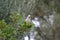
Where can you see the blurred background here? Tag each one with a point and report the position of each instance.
(44, 17)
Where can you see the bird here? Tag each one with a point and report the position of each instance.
(27, 22)
(28, 19)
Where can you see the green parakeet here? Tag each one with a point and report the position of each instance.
(28, 23)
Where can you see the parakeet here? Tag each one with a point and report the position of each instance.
(27, 23)
(28, 20)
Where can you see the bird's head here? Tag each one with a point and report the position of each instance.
(29, 16)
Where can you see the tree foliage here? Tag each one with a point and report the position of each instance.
(14, 12)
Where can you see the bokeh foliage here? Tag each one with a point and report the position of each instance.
(14, 12)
